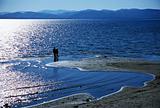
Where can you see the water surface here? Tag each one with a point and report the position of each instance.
(26, 47)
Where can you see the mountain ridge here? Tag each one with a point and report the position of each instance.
(123, 14)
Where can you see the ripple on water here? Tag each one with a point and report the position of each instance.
(29, 82)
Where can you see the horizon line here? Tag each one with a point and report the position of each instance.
(79, 10)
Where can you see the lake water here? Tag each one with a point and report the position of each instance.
(26, 47)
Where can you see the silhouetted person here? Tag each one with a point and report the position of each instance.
(6, 106)
(55, 52)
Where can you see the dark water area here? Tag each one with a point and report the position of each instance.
(75, 37)
(26, 47)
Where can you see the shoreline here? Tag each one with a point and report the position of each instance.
(82, 98)
(129, 97)
(124, 87)
(123, 97)
(73, 99)
(55, 103)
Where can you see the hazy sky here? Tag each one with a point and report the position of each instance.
(36, 5)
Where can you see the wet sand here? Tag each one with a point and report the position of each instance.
(68, 101)
(145, 97)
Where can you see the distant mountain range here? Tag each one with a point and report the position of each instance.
(122, 14)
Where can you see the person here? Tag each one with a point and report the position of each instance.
(55, 52)
(6, 106)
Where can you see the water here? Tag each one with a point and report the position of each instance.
(120, 38)
(26, 47)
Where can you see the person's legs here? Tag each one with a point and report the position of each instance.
(54, 58)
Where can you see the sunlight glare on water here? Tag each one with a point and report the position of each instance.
(26, 47)
(12, 84)
(12, 37)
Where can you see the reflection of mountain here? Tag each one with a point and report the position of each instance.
(86, 14)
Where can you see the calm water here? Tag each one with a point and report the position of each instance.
(26, 47)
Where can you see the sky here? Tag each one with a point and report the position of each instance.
(37, 5)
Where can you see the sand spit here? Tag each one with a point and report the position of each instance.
(109, 64)
(145, 97)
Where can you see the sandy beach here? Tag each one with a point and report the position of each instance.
(145, 97)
